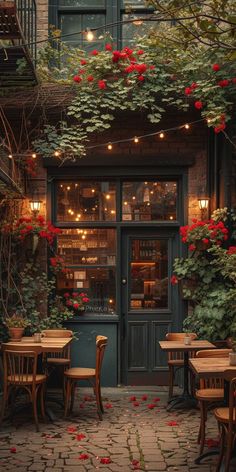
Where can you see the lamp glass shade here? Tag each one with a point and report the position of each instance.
(35, 205)
(203, 203)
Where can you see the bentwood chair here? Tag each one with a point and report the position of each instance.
(93, 375)
(62, 359)
(176, 359)
(20, 373)
(210, 390)
(226, 418)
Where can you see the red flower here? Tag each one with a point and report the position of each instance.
(75, 294)
(90, 78)
(192, 247)
(132, 399)
(102, 84)
(77, 79)
(136, 404)
(13, 450)
(83, 457)
(94, 52)
(216, 67)
(157, 399)
(151, 67)
(205, 241)
(198, 105)
(71, 429)
(231, 250)
(105, 460)
(140, 52)
(140, 68)
(194, 86)
(173, 280)
(151, 406)
(141, 78)
(116, 56)
(76, 306)
(80, 436)
(108, 406)
(144, 398)
(83, 62)
(219, 128)
(188, 91)
(136, 464)
(223, 83)
(108, 47)
(66, 295)
(85, 299)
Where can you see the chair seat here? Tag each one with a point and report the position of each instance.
(58, 360)
(176, 362)
(210, 394)
(82, 372)
(222, 414)
(26, 379)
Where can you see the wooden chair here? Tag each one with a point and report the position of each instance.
(210, 391)
(20, 372)
(91, 374)
(226, 418)
(176, 359)
(58, 359)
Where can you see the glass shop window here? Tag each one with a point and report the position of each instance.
(90, 257)
(86, 201)
(149, 201)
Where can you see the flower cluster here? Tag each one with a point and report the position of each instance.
(127, 62)
(76, 301)
(24, 226)
(57, 264)
(207, 232)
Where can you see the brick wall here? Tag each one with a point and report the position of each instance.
(42, 19)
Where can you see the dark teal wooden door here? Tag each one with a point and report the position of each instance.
(149, 303)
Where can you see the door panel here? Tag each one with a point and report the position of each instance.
(147, 303)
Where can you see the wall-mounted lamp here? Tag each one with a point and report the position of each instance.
(35, 206)
(203, 203)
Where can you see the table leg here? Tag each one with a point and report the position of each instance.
(185, 400)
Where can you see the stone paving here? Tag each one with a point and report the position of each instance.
(137, 433)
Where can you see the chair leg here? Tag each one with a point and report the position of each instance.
(34, 402)
(4, 401)
(171, 381)
(203, 411)
(222, 445)
(99, 410)
(72, 396)
(229, 447)
(100, 398)
(42, 400)
(67, 397)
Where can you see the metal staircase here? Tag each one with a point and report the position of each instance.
(17, 44)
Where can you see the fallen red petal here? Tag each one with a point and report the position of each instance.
(13, 450)
(144, 398)
(71, 429)
(132, 399)
(157, 399)
(172, 423)
(83, 456)
(136, 404)
(80, 436)
(108, 405)
(151, 406)
(105, 460)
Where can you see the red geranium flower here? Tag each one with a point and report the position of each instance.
(90, 78)
(188, 91)
(140, 52)
(144, 398)
(108, 47)
(216, 67)
(83, 62)
(192, 247)
(151, 406)
(136, 404)
(223, 83)
(77, 79)
(102, 84)
(174, 280)
(231, 250)
(141, 78)
(132, 399)
(95, 52)
(157, 399)
(198, 104)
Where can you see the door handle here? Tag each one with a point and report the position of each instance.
(124, 281)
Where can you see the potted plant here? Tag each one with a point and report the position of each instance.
(16, 325)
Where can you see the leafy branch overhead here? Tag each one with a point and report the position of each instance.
(165, 68)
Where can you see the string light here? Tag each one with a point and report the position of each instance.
(34, 155)
(56, 153)
(109, 146)
(89, 35)
(136, 140)
(161, 135)
(10, 156)
(186, 126)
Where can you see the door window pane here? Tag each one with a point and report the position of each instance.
(76, 23)
(149, 201)
(86, 201)
(149, 274)
(88, 246)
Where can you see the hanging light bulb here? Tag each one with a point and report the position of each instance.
(162, 135)
(89, 35)
(34, 155)
(109, 146)
(56, 153)
(10, 156)
(186, 126)
(136, 140)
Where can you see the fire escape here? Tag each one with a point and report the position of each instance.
(17, 44)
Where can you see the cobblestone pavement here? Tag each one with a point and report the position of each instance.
(137, 433)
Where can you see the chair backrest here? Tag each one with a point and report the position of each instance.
(101, 343)
(57, 333)
(213, 382)
(20, 366)
(230, 376)
(179, 337)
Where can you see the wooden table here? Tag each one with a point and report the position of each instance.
(185, 400)
(211, 367)
(46, 344)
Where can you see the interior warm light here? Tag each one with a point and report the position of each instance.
(10, 156)
(56, 153)
(161, 135)
(171, 217)
(68, 188)
(136, 140)
(109, 146)
(93, 190)
(187, 126)
(83, 236)
(133, 198)
(108, 196)
(89, 35)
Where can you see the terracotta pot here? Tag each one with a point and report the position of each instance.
(16, 334)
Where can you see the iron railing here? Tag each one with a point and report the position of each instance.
(26, 12)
